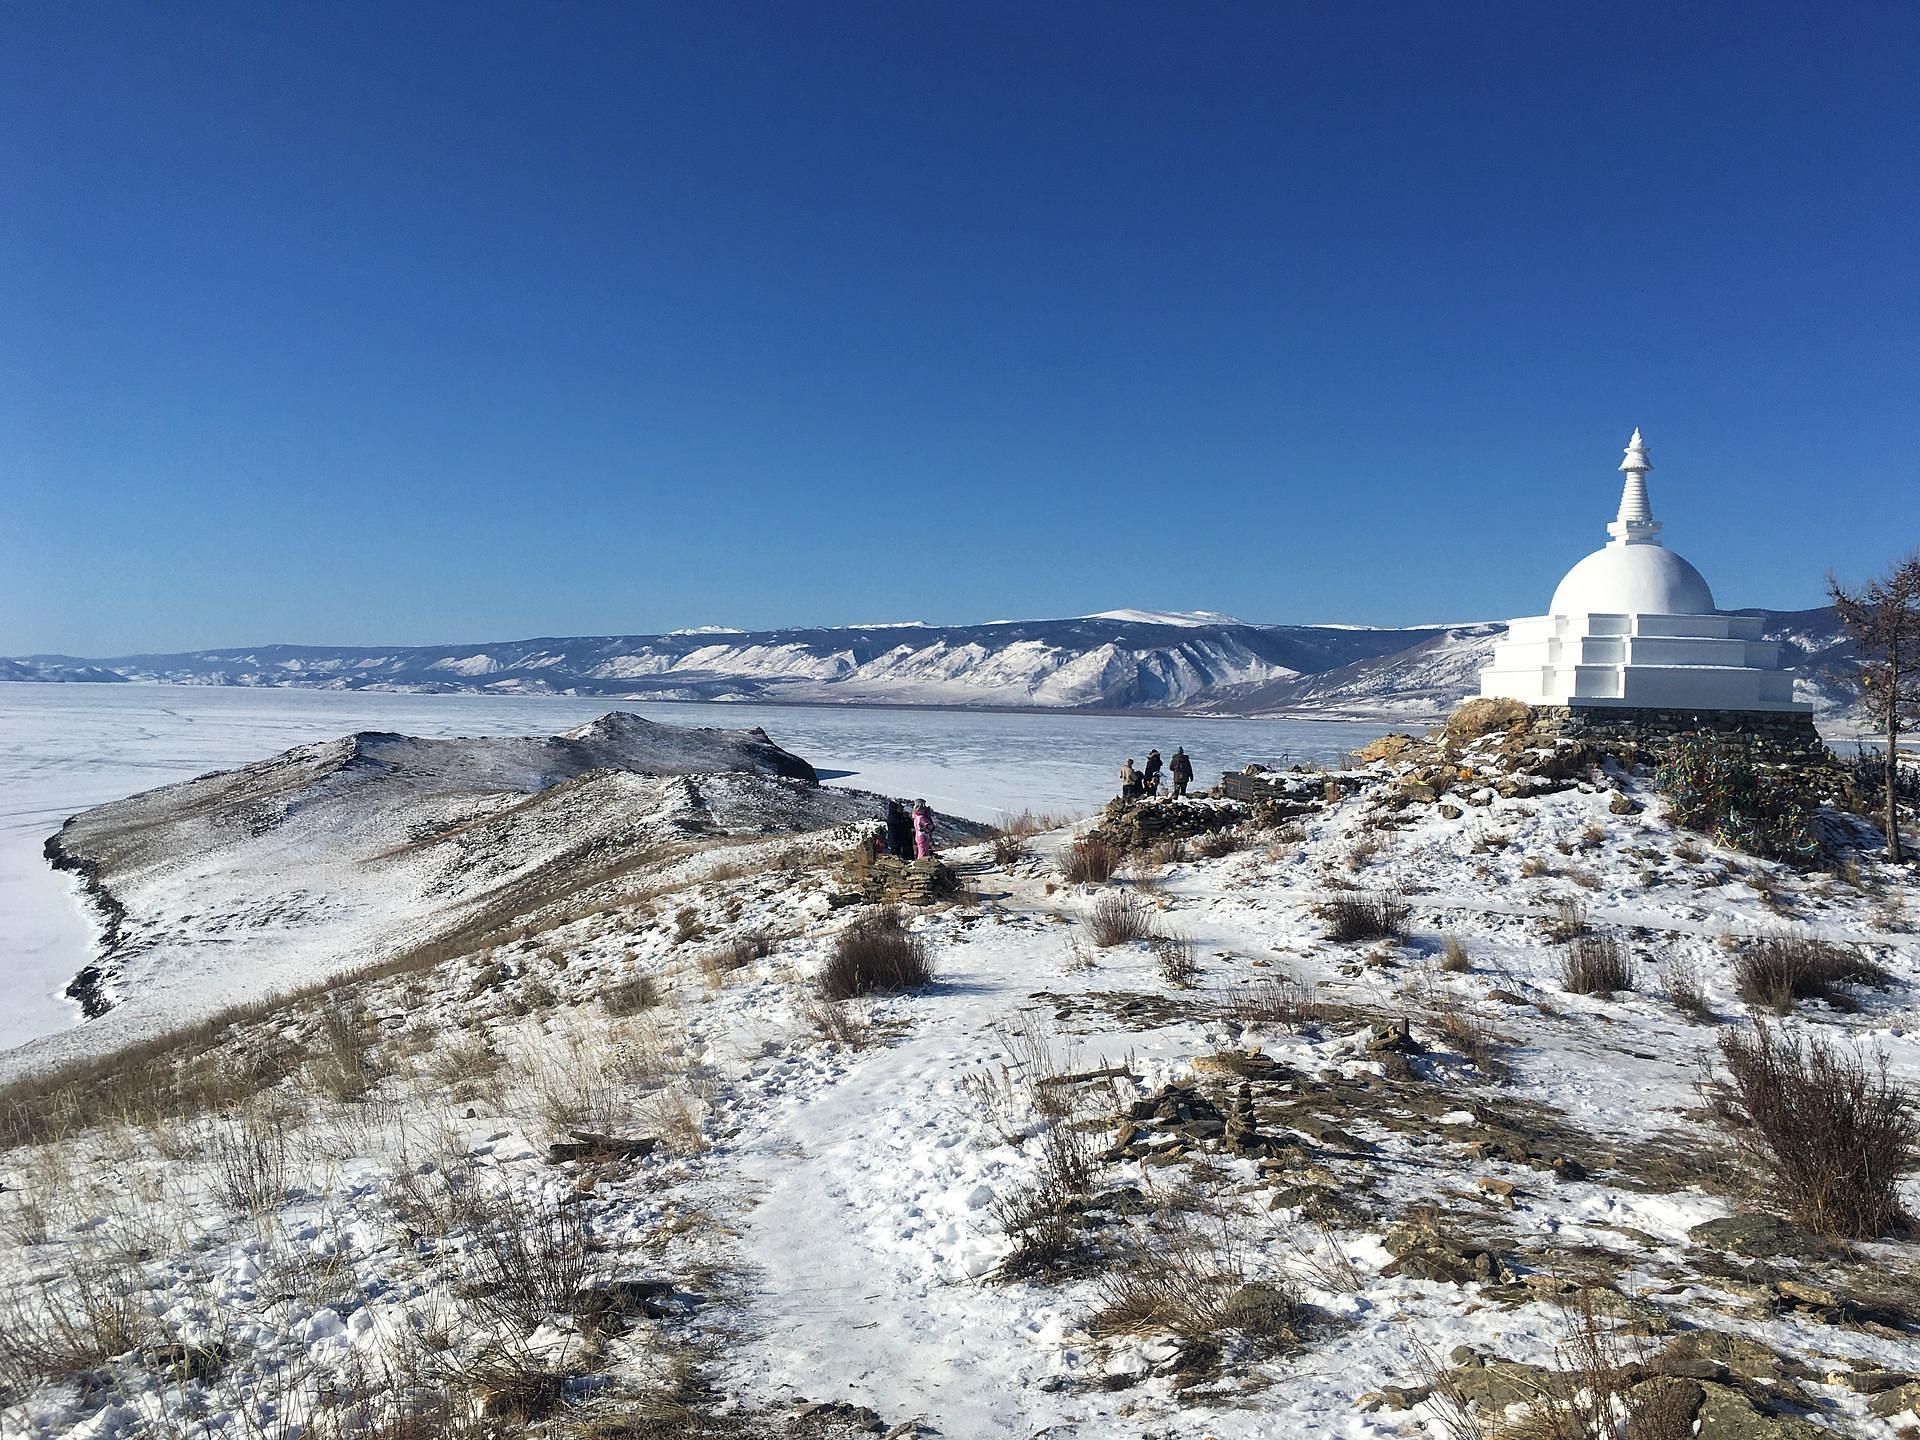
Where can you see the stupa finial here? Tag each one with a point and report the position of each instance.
(1635, 525)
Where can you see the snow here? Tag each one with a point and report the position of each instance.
(833, 1211)
(1194, 618)
(66, 748)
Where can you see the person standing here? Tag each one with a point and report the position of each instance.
(1150, 777)
(899, 831)
(1129, 780)
(1181, 769)
(922, 831)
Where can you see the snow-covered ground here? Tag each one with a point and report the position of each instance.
(67, 748)
(824, 1218)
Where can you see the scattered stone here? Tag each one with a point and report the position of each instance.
(607, 1303)
(1395, 1397)
(1889, 1403)
(593, 1149)
(1763, 1237)
(1623, 804)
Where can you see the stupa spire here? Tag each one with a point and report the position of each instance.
(1635, 525)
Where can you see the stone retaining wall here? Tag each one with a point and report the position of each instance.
(1781, 735)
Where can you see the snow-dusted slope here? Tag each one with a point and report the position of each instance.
(1121, 659)
(338, 854)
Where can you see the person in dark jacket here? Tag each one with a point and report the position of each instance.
(1181, 769)
(899, 831)
(1150, 777)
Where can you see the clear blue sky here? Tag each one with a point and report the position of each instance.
(412, 322)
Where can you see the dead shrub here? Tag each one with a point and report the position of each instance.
(1833, 1133)
(1041, 1218)
(1090, 860)
(876, 955)
(1279, 1000)
(1596, 965)
(1362, 853)
(1471, 1036)
(630, 996)
(687, 925)
(1178, 960)
(1009, 849)
(836, 1022)
(1171, 850)
(525, 1256)
(249, 1159)
(1453, 955)
(1533, 867)
(1361, 915)
(1118, 919)
(1777, 970)
(1197, 1292)
(345, 1067)
(76, 1323)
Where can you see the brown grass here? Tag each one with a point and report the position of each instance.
(1362, 916)
(1777, 971)
(1596, 965)
(1118, 919)
(1090, 861)
(876, 955)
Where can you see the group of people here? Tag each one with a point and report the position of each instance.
(1146, 781)
(907, 835)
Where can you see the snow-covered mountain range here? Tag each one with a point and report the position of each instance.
(1122, 659)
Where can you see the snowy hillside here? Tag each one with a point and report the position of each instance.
(1313, 1121)
(225, 888)
(1122, 659)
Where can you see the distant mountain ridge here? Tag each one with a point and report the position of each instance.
(1117, 661)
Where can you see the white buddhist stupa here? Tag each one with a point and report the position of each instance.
(1632, 627)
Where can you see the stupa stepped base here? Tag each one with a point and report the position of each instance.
(1785, 734)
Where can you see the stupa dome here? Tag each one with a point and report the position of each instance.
(1632, 580)
(1633, 626)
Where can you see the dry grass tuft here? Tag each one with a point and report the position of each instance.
(1118, 919)
(1090, 860)
(876, 955)
(1775, 972)
(1360, 916)
(1596, 965)
(630, 996)
(1453, 955)
(1178, 959)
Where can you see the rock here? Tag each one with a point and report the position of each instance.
(1259, 1309)
(1492, 1388)
(1726, 1414)
(1507, 997)
(1242, 1129)
(1449, 812)
(1762, 1237)
(1394, 1397)
(595, 1149)
(1623, 804)
(1748, 1359)
(1565, 1167)
(1889, 1403)
(1465, 1355)
(1873, 1382)
(1247, 1065)
(615, 1300)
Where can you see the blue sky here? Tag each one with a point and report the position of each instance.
(408, 323)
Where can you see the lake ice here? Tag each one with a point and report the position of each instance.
(65, 748)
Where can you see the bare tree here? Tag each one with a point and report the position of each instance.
(1883, 617)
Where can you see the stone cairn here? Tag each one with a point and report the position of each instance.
(887, 880)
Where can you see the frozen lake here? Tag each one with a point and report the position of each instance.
(64, 748)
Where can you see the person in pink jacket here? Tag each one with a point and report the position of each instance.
(922, 830)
